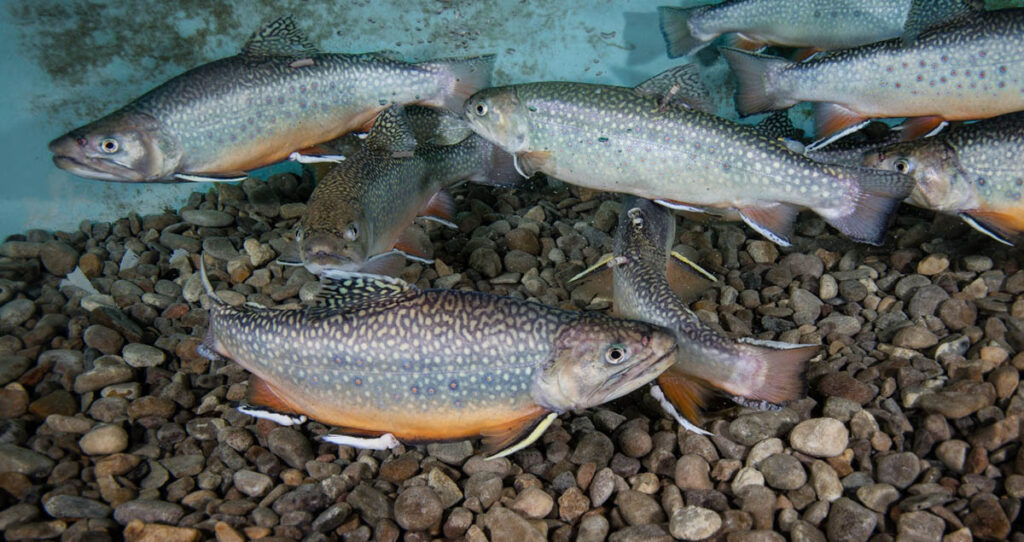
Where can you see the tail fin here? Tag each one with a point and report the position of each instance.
(206, 281)
(675, 28)
(880, 193)
(754, 73)
(497, 167)
(463, 77)
(783, 369)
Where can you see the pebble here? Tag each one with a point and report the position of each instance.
(504, 524)
(451, 453)
(533, 502)
(593, 528)
(692, 472)
(783, 471)
(16, 312)
(694, 523)
(933, 264)
(58, 258)
(72, 507)
(138, 531)
(899, 469)
(849, 522)
(878, 497)
(12, 367)
(142, 355)
(148, 511)
(819, 437)
(290, 445)
(104, 439)
(418, 509)
(638, 508)
(919, 527)
(207, 218)
(104, 339)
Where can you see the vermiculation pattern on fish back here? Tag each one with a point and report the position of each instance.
(437, 351)
(232, 102)
(617, 140)
(971, 70)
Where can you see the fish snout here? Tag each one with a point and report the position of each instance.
(68, 145)
(326, 250)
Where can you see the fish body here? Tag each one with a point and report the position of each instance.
(616, 139)
(377, 355)
(363, 206)
(756, 371)
(236, 114)
(974, 170)
(969, 70)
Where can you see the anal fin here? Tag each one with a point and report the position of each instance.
(741, 41)
(262, 393)
(516, 434)
(441, 208)
(773, 221)
(917, 127)
(831, 119)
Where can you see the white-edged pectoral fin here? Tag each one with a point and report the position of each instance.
(279, 418)
(386, 441)
(671, 410)
(208, 179)
(529, 439)
(315, 158)
(609, 260)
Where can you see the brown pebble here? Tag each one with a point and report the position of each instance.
(137, 531)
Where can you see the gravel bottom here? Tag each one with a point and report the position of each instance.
(111, 426)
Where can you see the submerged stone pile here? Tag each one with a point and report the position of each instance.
(113, 427)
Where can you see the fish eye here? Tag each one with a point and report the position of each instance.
(481, 109)
(902, 165)
(109, 145)
(636, 217)
(616, 353)
(299, 234)
(352, 232)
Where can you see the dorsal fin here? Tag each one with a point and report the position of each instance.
(277, 38)
(345, 289)
(392, 133)
(680, 85)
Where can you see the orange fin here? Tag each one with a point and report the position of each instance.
(513, 433)
(783, 369)
(832, 119)
(687, 279)
(1003, 226)
(440, 207)
(686, 393)
(916, 127)
(774, 222)
(263, 394)
(415, 244)
(528, 163)
(804, 53)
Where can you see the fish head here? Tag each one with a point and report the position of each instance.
(932, 165)
(499, 116)
(341, 243)
(126, 146)
(645, 228)
(597, 358)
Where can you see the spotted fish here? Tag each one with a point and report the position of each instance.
(618, 139)
(279, 96)
(974, 170)
(378, 356)
(972, 69)
(821, 24)
(363, 207)
(644, 271)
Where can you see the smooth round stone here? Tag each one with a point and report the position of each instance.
(253, 484)
(534, 503)
(694, 523)
(69, 506)
(103, 440)
(142, 355)
(820, 437)
(418, 508)
(14, 313)
(58, 257)
(207, 217)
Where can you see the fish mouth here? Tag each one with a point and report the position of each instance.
(634, 377)
(96, 168)
(323, 262)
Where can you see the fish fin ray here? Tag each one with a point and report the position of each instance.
(680, 206)
(754, 92)
(772, 221)
(686, 393)
(512, 436)
(280, 37)
(832, 119)
(442, 207)
(602, 264)
(262, 393)
(1001, 226)
(670, 408)
(687, 279)
(675, 28)
(497, 167)
(465, 76)
(679, 85)
(782, 370)
(347, 289)
(879, 194)
(385, 441)
(390, 264)
(805, 53)
(279, 418)
(741, 41)
(528, 163)
(198, 178)
(917, 127)
(391, 133)
(415, 242)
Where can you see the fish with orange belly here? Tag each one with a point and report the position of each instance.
(278, 97)
(388, 362)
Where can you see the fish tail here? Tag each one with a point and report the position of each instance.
(675, 28)
(878, 195)
(755, 73)
(462, 78)
(781, 373)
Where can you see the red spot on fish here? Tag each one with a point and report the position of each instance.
(944, 58)
(302, 88)
(414, 389)
(897, 85)
(1002, 69)
(967, 73)
(889, 69)
(942, 79)
(981, 75)
(920, 78)
(82, 141)
(953, 73)
(453, 385)
(923, 63)
(905, 64)
(359, 382)
(982, 53)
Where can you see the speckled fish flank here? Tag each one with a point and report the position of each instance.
(616, 139)
(822, 24)
(969, 70)
(377, 355)
(239, 113)
(974, 170)
(750, 372)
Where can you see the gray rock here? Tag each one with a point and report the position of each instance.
(825, 481)
(104, 439)
(485, 261)
(920, 527)
(803, 531)
(925, 300)
(253, 484)
(207, 217)
(783, 471)
(451, 453)
(533, 502)
(20, 249)
(592, 528)
(291, 446)
(877, 497)
(849, 522)
(694, 523)
(914, 337)
(220, 248)
(418, 508)
(148, 511)
(602, 486)
(692, 472)
(36, 531)
(518, 261)
(72, 507)
(504, 524)
(820, 437)
(485, 487)
(594, 447)
(17, 514)
(638, 508)
(641, 533)
(24, 461)
(899, 470)
(840, 323)
(311, 498)
(58, 258)
(142, 355)
(184, 465)
(12, 367)
(371, 504)
(16, 312)
(175, 241)
(104, 339)
(749, 429)
(332, 518)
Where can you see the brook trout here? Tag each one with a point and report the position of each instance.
(621, 140)
(280, 95)
(364, 205)
(972, 69)
(378, 356)
(973, 170)
(755, 373)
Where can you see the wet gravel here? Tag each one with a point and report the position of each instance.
(112, 426)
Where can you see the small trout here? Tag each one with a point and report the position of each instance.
(363, 207)
(755, 373)
(378, 356)
(972, 69)
(624, 140)
(973, 170)
(820, 24)
(280, 95)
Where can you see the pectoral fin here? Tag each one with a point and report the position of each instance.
(440, 208)
(510, 437)
(195, 178)
(774, 221)
(528, 163)
(686, 393)
(414, 243)
(597, 271)
(1001, 226)
(383, 442)
(687, 279)
(833, 121)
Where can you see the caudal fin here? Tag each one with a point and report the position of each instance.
(783, 370)
(880, 193)
(675, 28)
(463, 77)
(755, 73)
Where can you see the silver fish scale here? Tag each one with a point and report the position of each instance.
(230, 102)
(610, 138)
(989, 152)
(435, 350)
(971, 70)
